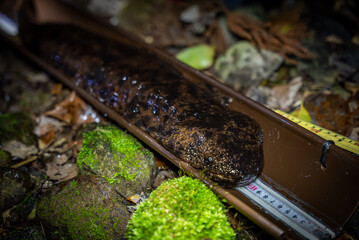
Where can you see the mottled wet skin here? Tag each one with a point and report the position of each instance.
(149, 93)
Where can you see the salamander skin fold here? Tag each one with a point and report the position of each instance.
(183, 117)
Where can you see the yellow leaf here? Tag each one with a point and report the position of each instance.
(302, 113)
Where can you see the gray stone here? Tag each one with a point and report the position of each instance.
(190, 14)
(244, 66)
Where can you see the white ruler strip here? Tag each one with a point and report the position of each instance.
(287, 212)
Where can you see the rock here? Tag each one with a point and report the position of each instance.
(17, 126)
(14, 187)
(191, 14)
(243, 66)
(36, 102)
(33, 233)
(119, 158)
(85, 208)
(16, 134)
(21, 213)
(182, 208)
(5, 159)
(162, 176)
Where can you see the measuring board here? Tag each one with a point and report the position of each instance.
(281, 208)
(339, 140)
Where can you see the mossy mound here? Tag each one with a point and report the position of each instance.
(17, 126)
(85, 208)
(119, 158)
(182, 208)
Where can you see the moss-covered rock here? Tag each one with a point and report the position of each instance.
(17, 126)
(5, 158)
(119, 158)
(182, 208)
(16, 134)
(14, 187)
(21, 213)
(28, 233)
(85, 208)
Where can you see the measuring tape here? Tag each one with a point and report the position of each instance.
(290, 214)
(339, 140)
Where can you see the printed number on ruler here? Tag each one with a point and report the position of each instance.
(284, 210)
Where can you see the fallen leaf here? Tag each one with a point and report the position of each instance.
(134, 198)
(59, 169)
(74, 110)
(39, 77)
(199, 57)
(283, 96)
(19, 149)
(330, 111)
(45, 124)
(57, 89)
(46, 139)
(64, 142)
(63, 172)
(302, 113)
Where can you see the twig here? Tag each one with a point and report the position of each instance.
(29, 160)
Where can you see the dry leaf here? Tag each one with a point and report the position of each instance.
(74, 110)
(332, 112)
(62, 172)
(134, 198)
(46, 140)
(19, 149)
(46, 124)
(58, 169)
(302, 113)
(266, 36)
(283, 96)
(57, 89)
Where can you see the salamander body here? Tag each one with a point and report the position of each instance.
(151, 94)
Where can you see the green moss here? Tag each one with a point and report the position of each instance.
(77, 215)
(110, 140)
(4, 154)
(73, 184)
(17, 126)
(182, 208)
(5, 158)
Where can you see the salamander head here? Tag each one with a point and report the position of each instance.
(231, 155)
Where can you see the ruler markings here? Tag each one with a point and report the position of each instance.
(281, 208)
(339, 140)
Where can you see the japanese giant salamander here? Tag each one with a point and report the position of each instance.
(152, 95)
